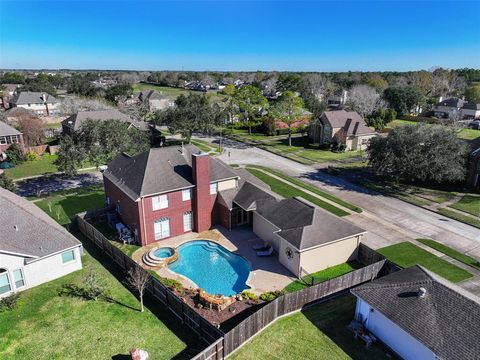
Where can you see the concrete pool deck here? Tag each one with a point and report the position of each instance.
(267, 273)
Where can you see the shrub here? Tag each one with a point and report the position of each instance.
(31, 156)
(9, 302)
(249, 295)
(15, 155)
(172, 283)
(7, 183)
(92, 289)
(271, 295)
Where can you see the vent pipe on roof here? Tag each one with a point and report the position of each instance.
(422, 292)
(15, 227)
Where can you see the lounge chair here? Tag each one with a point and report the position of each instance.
(266, 252)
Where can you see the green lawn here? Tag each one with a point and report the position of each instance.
(398, 122)
(206, 146)
(288, 191)
(460, 217)
(31, 168)
(319, 155)
(46, 325)
(311, 188)
(319, 332)
(173, 92)
(65, 205)
(406, 254)
(469, 134)
(323, 275)
(454, 254)
(469, 204)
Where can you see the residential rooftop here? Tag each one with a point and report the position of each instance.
(76, 120)
(32, 97)
(6, 130)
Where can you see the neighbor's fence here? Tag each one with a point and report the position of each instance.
(223, 344)
(206, 331)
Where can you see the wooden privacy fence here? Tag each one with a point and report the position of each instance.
(295, 301)
(206, 331)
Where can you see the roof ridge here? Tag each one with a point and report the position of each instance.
(144, 172)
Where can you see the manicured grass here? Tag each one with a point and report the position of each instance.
(460, 217)
(469, 204)
(454, 254)
(406, 254)
(398, 122)
(206, 146)
(469, 134)
(311, 188)
(31, 168)
(47, 325)
(320, 155)
(319, 332)
(288, 191)
(170, 92)
(323, 275)
(65, 206)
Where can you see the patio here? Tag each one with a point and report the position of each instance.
(267, 273)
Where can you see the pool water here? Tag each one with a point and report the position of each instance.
(212, 267)
(163, 252)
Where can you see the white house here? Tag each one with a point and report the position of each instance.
(457, 109)
(420, 315)
(34, 249)
(41, 103)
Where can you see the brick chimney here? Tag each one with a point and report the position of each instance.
(347, 124)
(202, 203)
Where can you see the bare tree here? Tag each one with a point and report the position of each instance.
(72, 105)
(32, 128)
(363, 99)
(321, 86)
(138, 279)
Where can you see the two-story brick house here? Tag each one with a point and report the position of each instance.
(167, 192)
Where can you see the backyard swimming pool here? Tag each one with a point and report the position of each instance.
(212, 267)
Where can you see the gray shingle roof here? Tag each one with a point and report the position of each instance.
(452, 102)
(76, 120)
(6, 130)
(160, 170)
(471, 106)
(37, 234)
(350, 121)
(32, 97)
(446, 320)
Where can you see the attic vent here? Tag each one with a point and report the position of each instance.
(15, 227)
(422, 292)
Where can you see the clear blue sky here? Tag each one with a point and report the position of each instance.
(239, 35)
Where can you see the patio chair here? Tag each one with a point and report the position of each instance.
(267, 252)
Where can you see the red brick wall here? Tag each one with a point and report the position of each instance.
(6, 146)
(175, 210)
(203, 202)
(223, 216)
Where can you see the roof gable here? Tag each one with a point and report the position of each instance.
(6, 130)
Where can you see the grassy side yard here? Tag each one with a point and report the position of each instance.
(460, 217)
(311, 188)
(170, 92)
(323, 275)
(469, 134)
(207, 147)
(288, 191)
(406, 254)
(50, 325)
(469, 204)
(63, 206)
(319, 332)
(454, 254)
(31, 168)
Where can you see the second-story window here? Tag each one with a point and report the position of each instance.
(186, 194)
(213, 188)
(159, 202)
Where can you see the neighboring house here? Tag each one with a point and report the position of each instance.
(9, 136)
(74, 123)
(41, 103)
(341, 126)
(154, 100)
(8, 90)
(456, 108)
(337, 100)
(420, 315)
(170, 191)
(34, 248)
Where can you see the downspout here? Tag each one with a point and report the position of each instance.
(143, 221)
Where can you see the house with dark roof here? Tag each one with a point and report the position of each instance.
(456, 108)
(74, 122)
(420, 315)
(9, 136)
(41, 103)
(341, 127)
(34, 248)
(170, 191)
(154, 100)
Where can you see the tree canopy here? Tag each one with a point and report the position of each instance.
(420, 153)
(287, 109)
(251, 102)
(404, 98)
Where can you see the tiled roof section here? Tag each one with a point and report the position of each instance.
(25, 229)
(251, 197)
(160, 170)
(445, 320)
(75, 121)
(32, 97)
(452, 102)
(350, 121)
(6, 130)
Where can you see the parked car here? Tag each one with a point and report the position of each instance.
(475, 124)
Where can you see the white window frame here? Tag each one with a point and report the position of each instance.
(164, 232)
(187, 221)
(15, 280)
(9, 283)
(160, 202)
(3, 140)
(213, 188)
(69, 261)
(187, 194)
